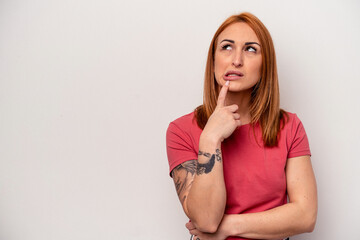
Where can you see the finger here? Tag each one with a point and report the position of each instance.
(222, 94)
(236, 116)
(194, 232)
(232, 108)
(190, 225)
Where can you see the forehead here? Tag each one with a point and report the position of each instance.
(239, 32)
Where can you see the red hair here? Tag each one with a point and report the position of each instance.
(265, 98)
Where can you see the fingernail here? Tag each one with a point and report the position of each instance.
(227, 83)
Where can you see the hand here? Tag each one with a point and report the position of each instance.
(219, 235)
(224, 120)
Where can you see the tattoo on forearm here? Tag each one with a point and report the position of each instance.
(218, 155)
(204, 153)
(183, 174)
(182, 182)
(207, 167)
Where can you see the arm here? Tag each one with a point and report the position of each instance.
(298, 216)
(200, 183)
(201, 188)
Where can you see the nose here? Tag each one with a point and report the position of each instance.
(238, 59)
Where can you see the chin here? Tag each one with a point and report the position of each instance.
(238, 87)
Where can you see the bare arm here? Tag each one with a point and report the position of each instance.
(200, 183)
(201, 189)
(297, 216)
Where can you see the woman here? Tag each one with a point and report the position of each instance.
(237, 157)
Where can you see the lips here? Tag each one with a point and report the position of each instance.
(233, 75)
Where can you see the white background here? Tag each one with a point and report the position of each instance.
(88, 88)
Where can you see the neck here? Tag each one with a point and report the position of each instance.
(242, 99)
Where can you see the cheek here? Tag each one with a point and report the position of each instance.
(217, 68)
(257, 68)
(220, 63)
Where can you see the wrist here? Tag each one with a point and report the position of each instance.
(208, 139)
(234, 226)
(228, 225)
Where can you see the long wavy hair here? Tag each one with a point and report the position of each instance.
(265, 98)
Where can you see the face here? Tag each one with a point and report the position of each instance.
(238, 57)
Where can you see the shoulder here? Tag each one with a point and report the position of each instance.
(182, 137)
(292, 126)
(291, 120)
(295, 136)
(184, 123)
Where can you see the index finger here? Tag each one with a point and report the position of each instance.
(222, 94)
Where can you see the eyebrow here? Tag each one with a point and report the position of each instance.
(232, 41)
(247, 43)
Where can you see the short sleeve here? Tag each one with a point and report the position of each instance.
(299, 144)
(179, 146)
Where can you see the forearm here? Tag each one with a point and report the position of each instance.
(281, 222)
(207, 196)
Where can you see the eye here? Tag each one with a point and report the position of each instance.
(250, 49)
(226, 47)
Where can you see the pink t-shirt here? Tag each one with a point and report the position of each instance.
(254, 175)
